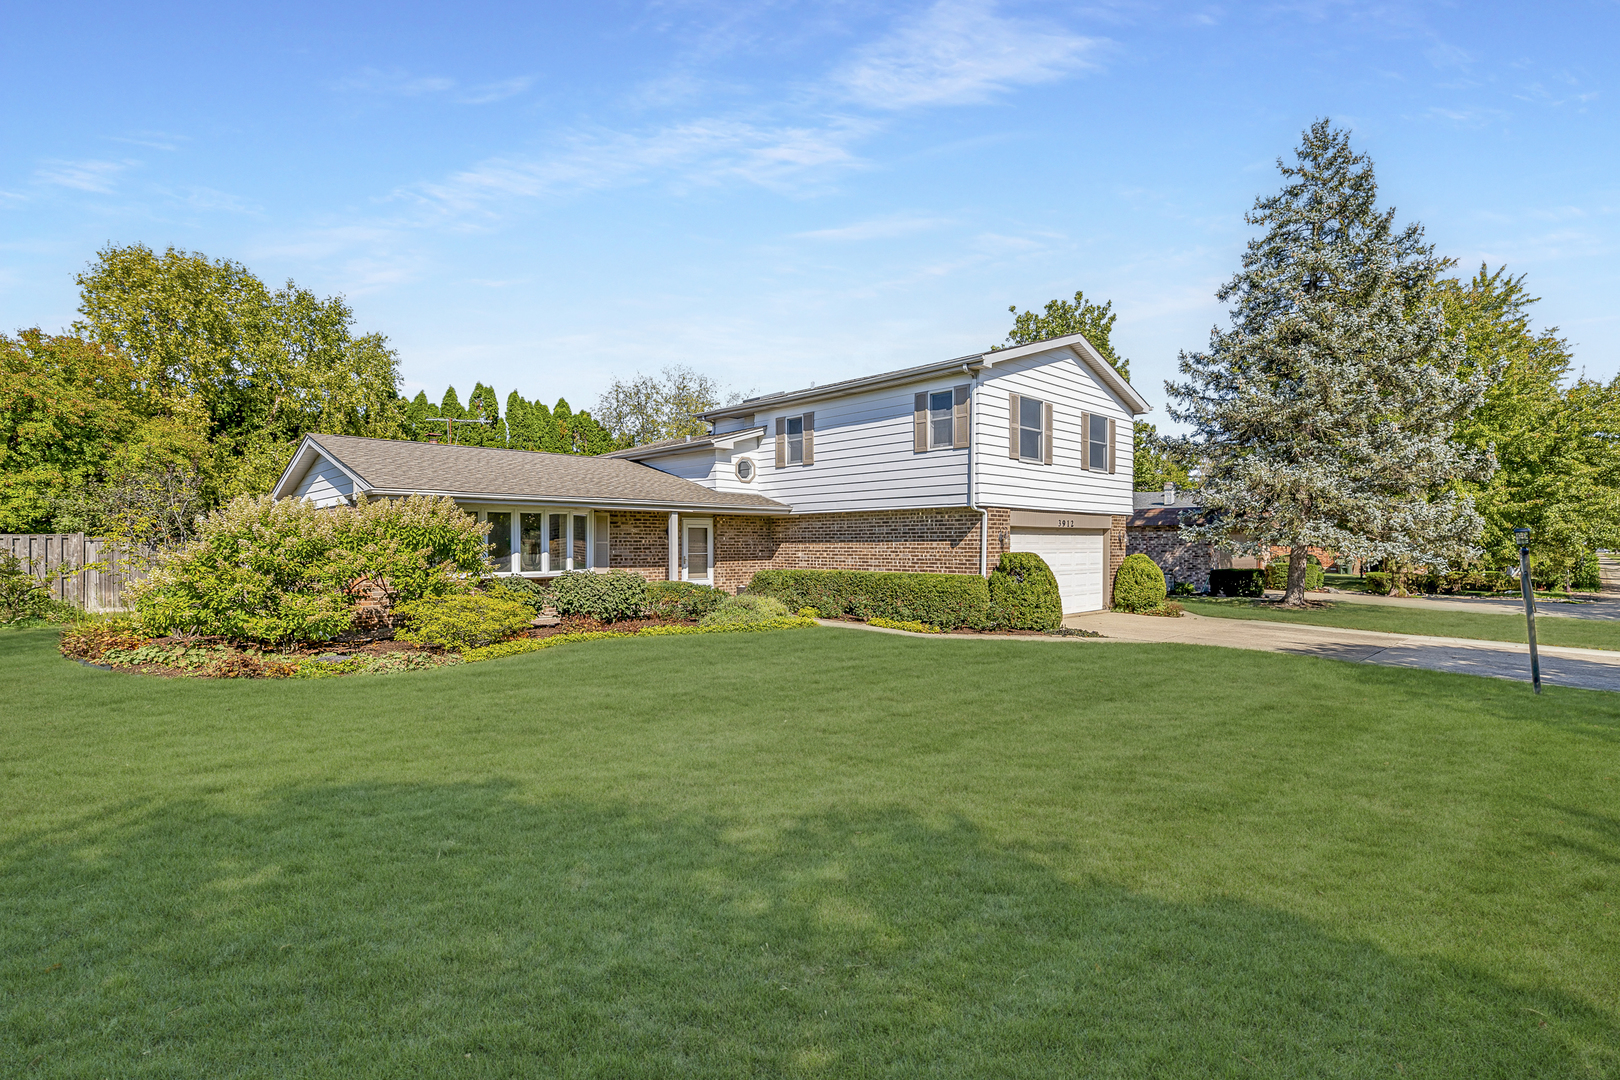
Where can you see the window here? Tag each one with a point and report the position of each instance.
(745, 469)
(534, 543)
(1098, 436)
(795, 440)
(941, 432)
(1031, 429)
(500, 540)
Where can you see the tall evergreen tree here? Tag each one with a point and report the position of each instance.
(1326, 412)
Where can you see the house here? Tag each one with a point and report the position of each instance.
(940, 467)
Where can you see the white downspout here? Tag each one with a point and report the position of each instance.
(674, 546)
(973, 473)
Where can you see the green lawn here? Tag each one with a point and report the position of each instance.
(810, 853)
(1489, 626)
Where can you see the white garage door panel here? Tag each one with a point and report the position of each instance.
(1076, 559)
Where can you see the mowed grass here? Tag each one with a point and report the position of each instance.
(812, 853)
(1488, 626)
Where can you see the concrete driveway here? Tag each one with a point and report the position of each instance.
(1590, 669)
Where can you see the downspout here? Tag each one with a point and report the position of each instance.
(973, 472)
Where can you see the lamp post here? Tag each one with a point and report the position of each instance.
(1523, 537)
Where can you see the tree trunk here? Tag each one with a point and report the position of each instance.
(1298, 559)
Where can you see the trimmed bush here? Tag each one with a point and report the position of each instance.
(1237, 582)
(262, 570)
(461, 622)
(1379, 582)
(683, 599)
(1024, 593)
(948, 600)
(1277, 574)
(535, 593)
(1138, 585)
(745, 610)
(615, 595)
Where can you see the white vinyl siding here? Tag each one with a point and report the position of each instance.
(697, 466)
(1068, 386)
(864, 459)
(325, 484)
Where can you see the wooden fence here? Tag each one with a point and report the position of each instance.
(47, 555)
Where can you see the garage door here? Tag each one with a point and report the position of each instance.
(1076, 558)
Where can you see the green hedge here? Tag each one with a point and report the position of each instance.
(1024, 594)
(1277, 574)
(683, 599)
(1237, 582)
(1138, 585)
(615, 595)
(947, 600)
(1379, 583)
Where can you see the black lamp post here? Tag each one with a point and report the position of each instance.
(1523, 537)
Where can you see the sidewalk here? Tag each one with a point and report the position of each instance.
(1590, 669)
(1607, 608)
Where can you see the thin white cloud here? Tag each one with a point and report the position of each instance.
(961, 52)
(398, 83)
(154, 140)
(706, 151)
(96, 176)
(876, 229)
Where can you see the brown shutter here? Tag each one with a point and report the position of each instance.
(1112, 449)
(781, 441)
(1085, 440)
(959, 416)
(1046, 440)
(1012, 426)
(919, 424)
(809, 438)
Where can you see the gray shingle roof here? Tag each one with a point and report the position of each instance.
(477, 472)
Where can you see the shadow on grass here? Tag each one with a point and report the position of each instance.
(405, 930)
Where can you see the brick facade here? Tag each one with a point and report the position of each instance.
(1116, 550)
(944, 540)
(638, 541)
(1180, 560)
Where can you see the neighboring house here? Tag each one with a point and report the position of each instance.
(935, 468)
(1154, 530)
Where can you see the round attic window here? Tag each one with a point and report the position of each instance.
(745, 469)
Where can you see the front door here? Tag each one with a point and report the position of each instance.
(697, 552)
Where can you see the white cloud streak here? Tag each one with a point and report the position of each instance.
(961, 52)
(94, 176)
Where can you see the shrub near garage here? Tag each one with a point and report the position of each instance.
(1138, 585)
(946, 600)
(1024, 593)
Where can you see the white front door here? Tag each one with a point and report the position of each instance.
(697, 550)
(1076, 559)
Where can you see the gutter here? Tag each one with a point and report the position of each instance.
(595, 502)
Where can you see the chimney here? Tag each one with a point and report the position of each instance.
(1170, 494)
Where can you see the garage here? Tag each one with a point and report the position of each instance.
(1075, 556)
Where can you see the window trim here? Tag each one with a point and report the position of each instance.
(1092, 443)
(688, 523)
(570, 513)
(947, 415)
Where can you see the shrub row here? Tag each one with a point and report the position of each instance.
(948, 600)
(1024, 594)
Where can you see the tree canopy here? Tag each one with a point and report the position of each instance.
(1325, 413)
(1063, 317)
(644, 409)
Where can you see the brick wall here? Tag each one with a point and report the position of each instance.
(743, 546)
(1115, 548)
(1180, 560)
(638, 541)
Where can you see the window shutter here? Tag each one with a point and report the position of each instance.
(919, 424)
(959, 416)
(1085, 440)
(1012, 426)
(1113, 451)
(603, 556)
(1046, 439)
(781, 442)
(809, 438)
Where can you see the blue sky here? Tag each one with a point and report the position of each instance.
(547, 196)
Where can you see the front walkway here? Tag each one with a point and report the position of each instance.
(1591, 669)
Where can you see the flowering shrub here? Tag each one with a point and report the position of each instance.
(263, 570)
